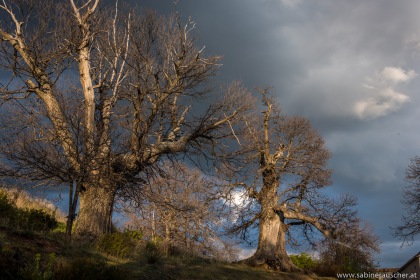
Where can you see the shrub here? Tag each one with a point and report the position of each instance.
(117, 244)
(31, 219)
(35, 220)
(37, 271)
(304, 261)
(7, 210)
(153, 251)
(21, 199)
(133, 234)
(60, 228)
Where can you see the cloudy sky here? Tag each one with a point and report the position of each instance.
(351, 67)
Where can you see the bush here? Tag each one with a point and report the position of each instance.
(35, 220)
(133, 234)
(37, 271)
(60, 228)
(31, 219)
(7, 209)
(117, 244)
(154, 251)
(21, 199)
(304, 261)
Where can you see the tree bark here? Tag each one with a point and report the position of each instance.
(73, 200)
(95, 214)
(271, 251)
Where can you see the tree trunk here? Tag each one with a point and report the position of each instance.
(95, 212)
(167, 243)
(73, 200)
(271, 250)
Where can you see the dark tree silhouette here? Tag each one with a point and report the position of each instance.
(411, 200)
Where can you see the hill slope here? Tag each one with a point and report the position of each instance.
(31, 250)
(18, 251)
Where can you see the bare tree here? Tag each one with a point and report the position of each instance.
(411, 200)
(183, 208)
(289, 159)
(139, 81)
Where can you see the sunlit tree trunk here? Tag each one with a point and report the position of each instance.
(271, 250)
(96, 204)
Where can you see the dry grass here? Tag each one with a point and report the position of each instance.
(180, 267)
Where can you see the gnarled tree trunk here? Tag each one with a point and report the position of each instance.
(95, 215)
(271, 250)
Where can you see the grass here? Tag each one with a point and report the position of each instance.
(180, 267)
(18, 251)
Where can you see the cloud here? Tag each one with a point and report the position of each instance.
(291, 3)
(397, 75)
(238, 200)
(245, 253)
(389, 76)
(384, 98)
(386, 101)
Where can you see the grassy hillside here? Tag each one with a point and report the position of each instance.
(19, 252)
(28, 251)
(195, 268)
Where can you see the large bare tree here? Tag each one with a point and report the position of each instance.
(411, 200)
(289, 159)
(116, 92)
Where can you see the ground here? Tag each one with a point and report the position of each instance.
(19, 250)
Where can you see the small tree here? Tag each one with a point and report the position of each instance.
(411, 200)
(182, 208)
(351, 251)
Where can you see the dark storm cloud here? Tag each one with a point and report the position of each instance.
(349, 66)
(245, 34)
